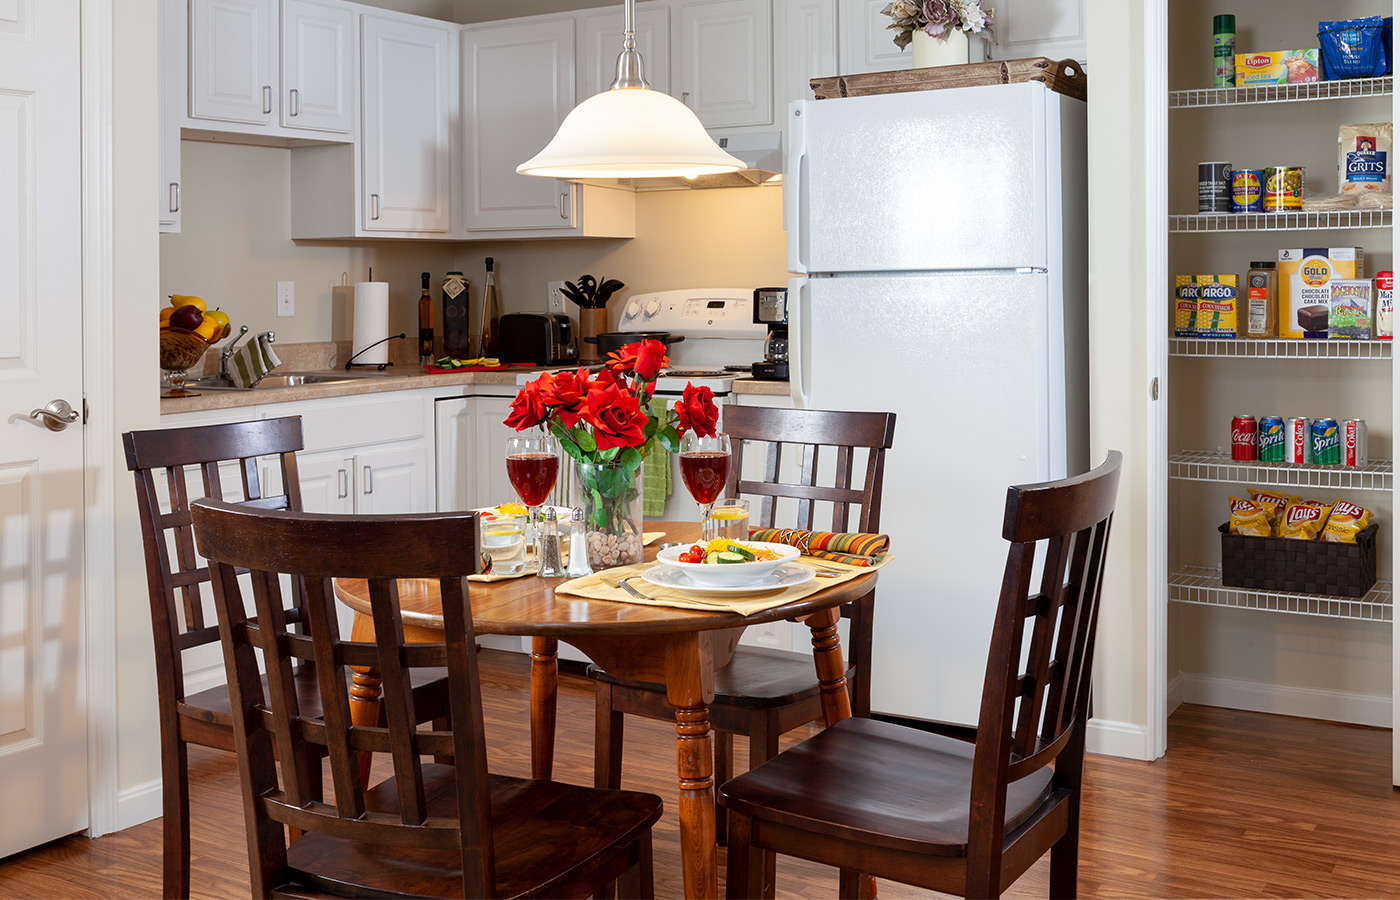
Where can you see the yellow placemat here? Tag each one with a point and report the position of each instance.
(592, 587)
(649, 536)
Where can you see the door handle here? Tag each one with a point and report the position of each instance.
(342, 484)
(374, 207)
(57, 415)
(267, 99)
(369, 479)
(174, 203)
(295, 103)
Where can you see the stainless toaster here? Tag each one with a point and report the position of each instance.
(544, 339)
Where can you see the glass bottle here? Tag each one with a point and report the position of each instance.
(578, 546)
(551, 558)
(456, 300)
(1260, 319)
(490, 311)
(425, 324)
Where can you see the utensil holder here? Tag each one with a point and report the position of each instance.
(591, 323)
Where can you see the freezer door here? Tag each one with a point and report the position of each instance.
(973, 368)
(923, 181)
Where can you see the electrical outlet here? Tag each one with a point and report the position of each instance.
(556, 297)
(286, 299)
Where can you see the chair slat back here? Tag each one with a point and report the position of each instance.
(172, 456)
(1036, 695)
(314, 549)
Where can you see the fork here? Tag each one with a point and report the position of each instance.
(640, 596)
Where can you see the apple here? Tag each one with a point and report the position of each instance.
(219, 316)
(187, 317)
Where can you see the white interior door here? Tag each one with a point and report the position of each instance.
(43, 689)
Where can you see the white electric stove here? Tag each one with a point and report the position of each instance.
(721, 339)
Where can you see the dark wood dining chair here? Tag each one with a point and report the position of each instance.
(180, 617)
(430, 830)
(762, 692)
(968, 810)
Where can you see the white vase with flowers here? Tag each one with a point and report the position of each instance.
(939, 29)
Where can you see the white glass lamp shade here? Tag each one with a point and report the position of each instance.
(630, 133)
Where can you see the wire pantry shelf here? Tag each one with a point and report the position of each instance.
(1315, 220)
(1281, 348)
(1216, 465)
(1281, 93)
(1201, 585)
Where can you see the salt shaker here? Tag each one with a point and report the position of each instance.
(550, 562)
(578, 547)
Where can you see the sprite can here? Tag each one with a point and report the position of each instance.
(1326, 440)
(1271, 439)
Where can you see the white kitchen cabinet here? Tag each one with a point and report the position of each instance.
(723, 61)
(867, 44)
(233, 62)
(471, 451)
(804, 47)
(319, 66)
(1025, 28)
(410, 105)
(326, 481)
(599, 41)
(171, 92)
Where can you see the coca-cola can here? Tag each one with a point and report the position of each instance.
(1354, 443)
(1297, 447)
(1244, 438)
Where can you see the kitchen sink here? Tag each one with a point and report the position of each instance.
(281, 380)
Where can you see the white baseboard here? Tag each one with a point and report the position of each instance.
(1111, 738)
(1352, 707)
(138, 804)
(1174, 694)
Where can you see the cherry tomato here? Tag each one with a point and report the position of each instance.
(696, 554)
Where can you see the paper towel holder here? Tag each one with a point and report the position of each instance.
(380, 366)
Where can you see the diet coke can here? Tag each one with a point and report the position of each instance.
(1244, 439)
(1354, 443)
(1297, 449)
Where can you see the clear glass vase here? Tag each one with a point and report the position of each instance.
(611, 497)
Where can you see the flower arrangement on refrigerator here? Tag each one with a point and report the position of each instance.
(937, 18)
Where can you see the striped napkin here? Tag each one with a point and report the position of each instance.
(851, 548)
(248, 364)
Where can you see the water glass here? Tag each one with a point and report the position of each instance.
(729, 519)
(503, 539)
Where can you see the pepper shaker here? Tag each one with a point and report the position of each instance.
(550, 562)
(578, 546)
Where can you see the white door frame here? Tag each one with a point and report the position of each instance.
(100, 457)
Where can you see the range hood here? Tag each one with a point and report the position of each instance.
(761, 151)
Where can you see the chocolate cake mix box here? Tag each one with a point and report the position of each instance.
(1305, 287)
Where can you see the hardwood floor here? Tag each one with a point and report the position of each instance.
(1243, 805)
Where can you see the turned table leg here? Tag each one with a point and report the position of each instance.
(544, 702)
(365, 690)
(690, 688)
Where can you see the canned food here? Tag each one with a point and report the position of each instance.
(1283, 188)
(1244, 439)
(1354, 443)
(1247, 191)
(1295, 431)
(1214, 188)
(1326, 440)
(1270, 439)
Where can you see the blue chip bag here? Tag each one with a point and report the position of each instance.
(1353, 48)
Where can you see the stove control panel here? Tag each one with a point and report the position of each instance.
(702, 313)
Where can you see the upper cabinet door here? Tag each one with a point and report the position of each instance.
(1051, 28)
(409, 103)
(170, 69)
(867, 44)
(517, 86)
(724, 61)
(318, 66)
(233, 77)
(600, 41)
(804, 47)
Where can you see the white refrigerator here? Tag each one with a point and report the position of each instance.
(940, 244)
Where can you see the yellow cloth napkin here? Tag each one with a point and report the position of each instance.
(592, 587)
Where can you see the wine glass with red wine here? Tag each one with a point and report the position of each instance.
(705, 471)
(532, 463)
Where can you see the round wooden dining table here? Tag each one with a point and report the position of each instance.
(680, 648)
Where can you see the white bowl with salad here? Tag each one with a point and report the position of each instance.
(726, 563)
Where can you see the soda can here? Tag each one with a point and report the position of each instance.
(1354, 443)
(1295, 430)
(1326, 442)
(1270, 439)
(1244, 439)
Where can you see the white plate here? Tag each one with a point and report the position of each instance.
(784, 576)
(733, 575)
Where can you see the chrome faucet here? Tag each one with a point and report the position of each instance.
(227, 351)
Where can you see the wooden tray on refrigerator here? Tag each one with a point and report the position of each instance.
(1064, 77)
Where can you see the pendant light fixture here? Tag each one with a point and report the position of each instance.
(630, 130)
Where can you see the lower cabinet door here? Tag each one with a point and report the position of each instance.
(327, 481)
(393, 480)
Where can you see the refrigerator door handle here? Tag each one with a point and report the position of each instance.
(795, 189)
(799, 380)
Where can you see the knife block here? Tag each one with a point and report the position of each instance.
(591, 323)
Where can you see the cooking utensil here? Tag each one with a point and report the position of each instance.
(613, 341)
(606, 290)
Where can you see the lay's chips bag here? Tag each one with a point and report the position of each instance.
(1248, 518)
(1303, 519)
(1345, 523)
(1274, 503)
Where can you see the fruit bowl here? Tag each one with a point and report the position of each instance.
(733, 574)
(180, 349)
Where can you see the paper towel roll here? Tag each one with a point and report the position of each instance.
(371, 322)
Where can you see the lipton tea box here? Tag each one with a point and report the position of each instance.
(1207, 305)
(1276, 67)
(1305, 287)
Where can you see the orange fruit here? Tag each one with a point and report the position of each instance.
(165, 315)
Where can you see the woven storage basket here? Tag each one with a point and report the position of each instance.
(1305, 567)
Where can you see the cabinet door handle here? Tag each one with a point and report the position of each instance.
(267, 99)
(374, 207)
(342, 483)
(369, 479)
(295, 103)
(564, 205)
(685, 97)
(174, 196)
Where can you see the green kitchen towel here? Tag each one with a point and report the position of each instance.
(656, 470)
(252, 361)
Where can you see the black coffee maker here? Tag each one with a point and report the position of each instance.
(770, 308)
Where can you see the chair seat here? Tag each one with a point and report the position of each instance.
(537, 826)
(882, 784)
(755, 678)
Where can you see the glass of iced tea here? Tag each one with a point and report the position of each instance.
(532, 464)
(730, 516)
(705, 471)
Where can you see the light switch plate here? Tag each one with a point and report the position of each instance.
(556, 297)
(286, 299)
